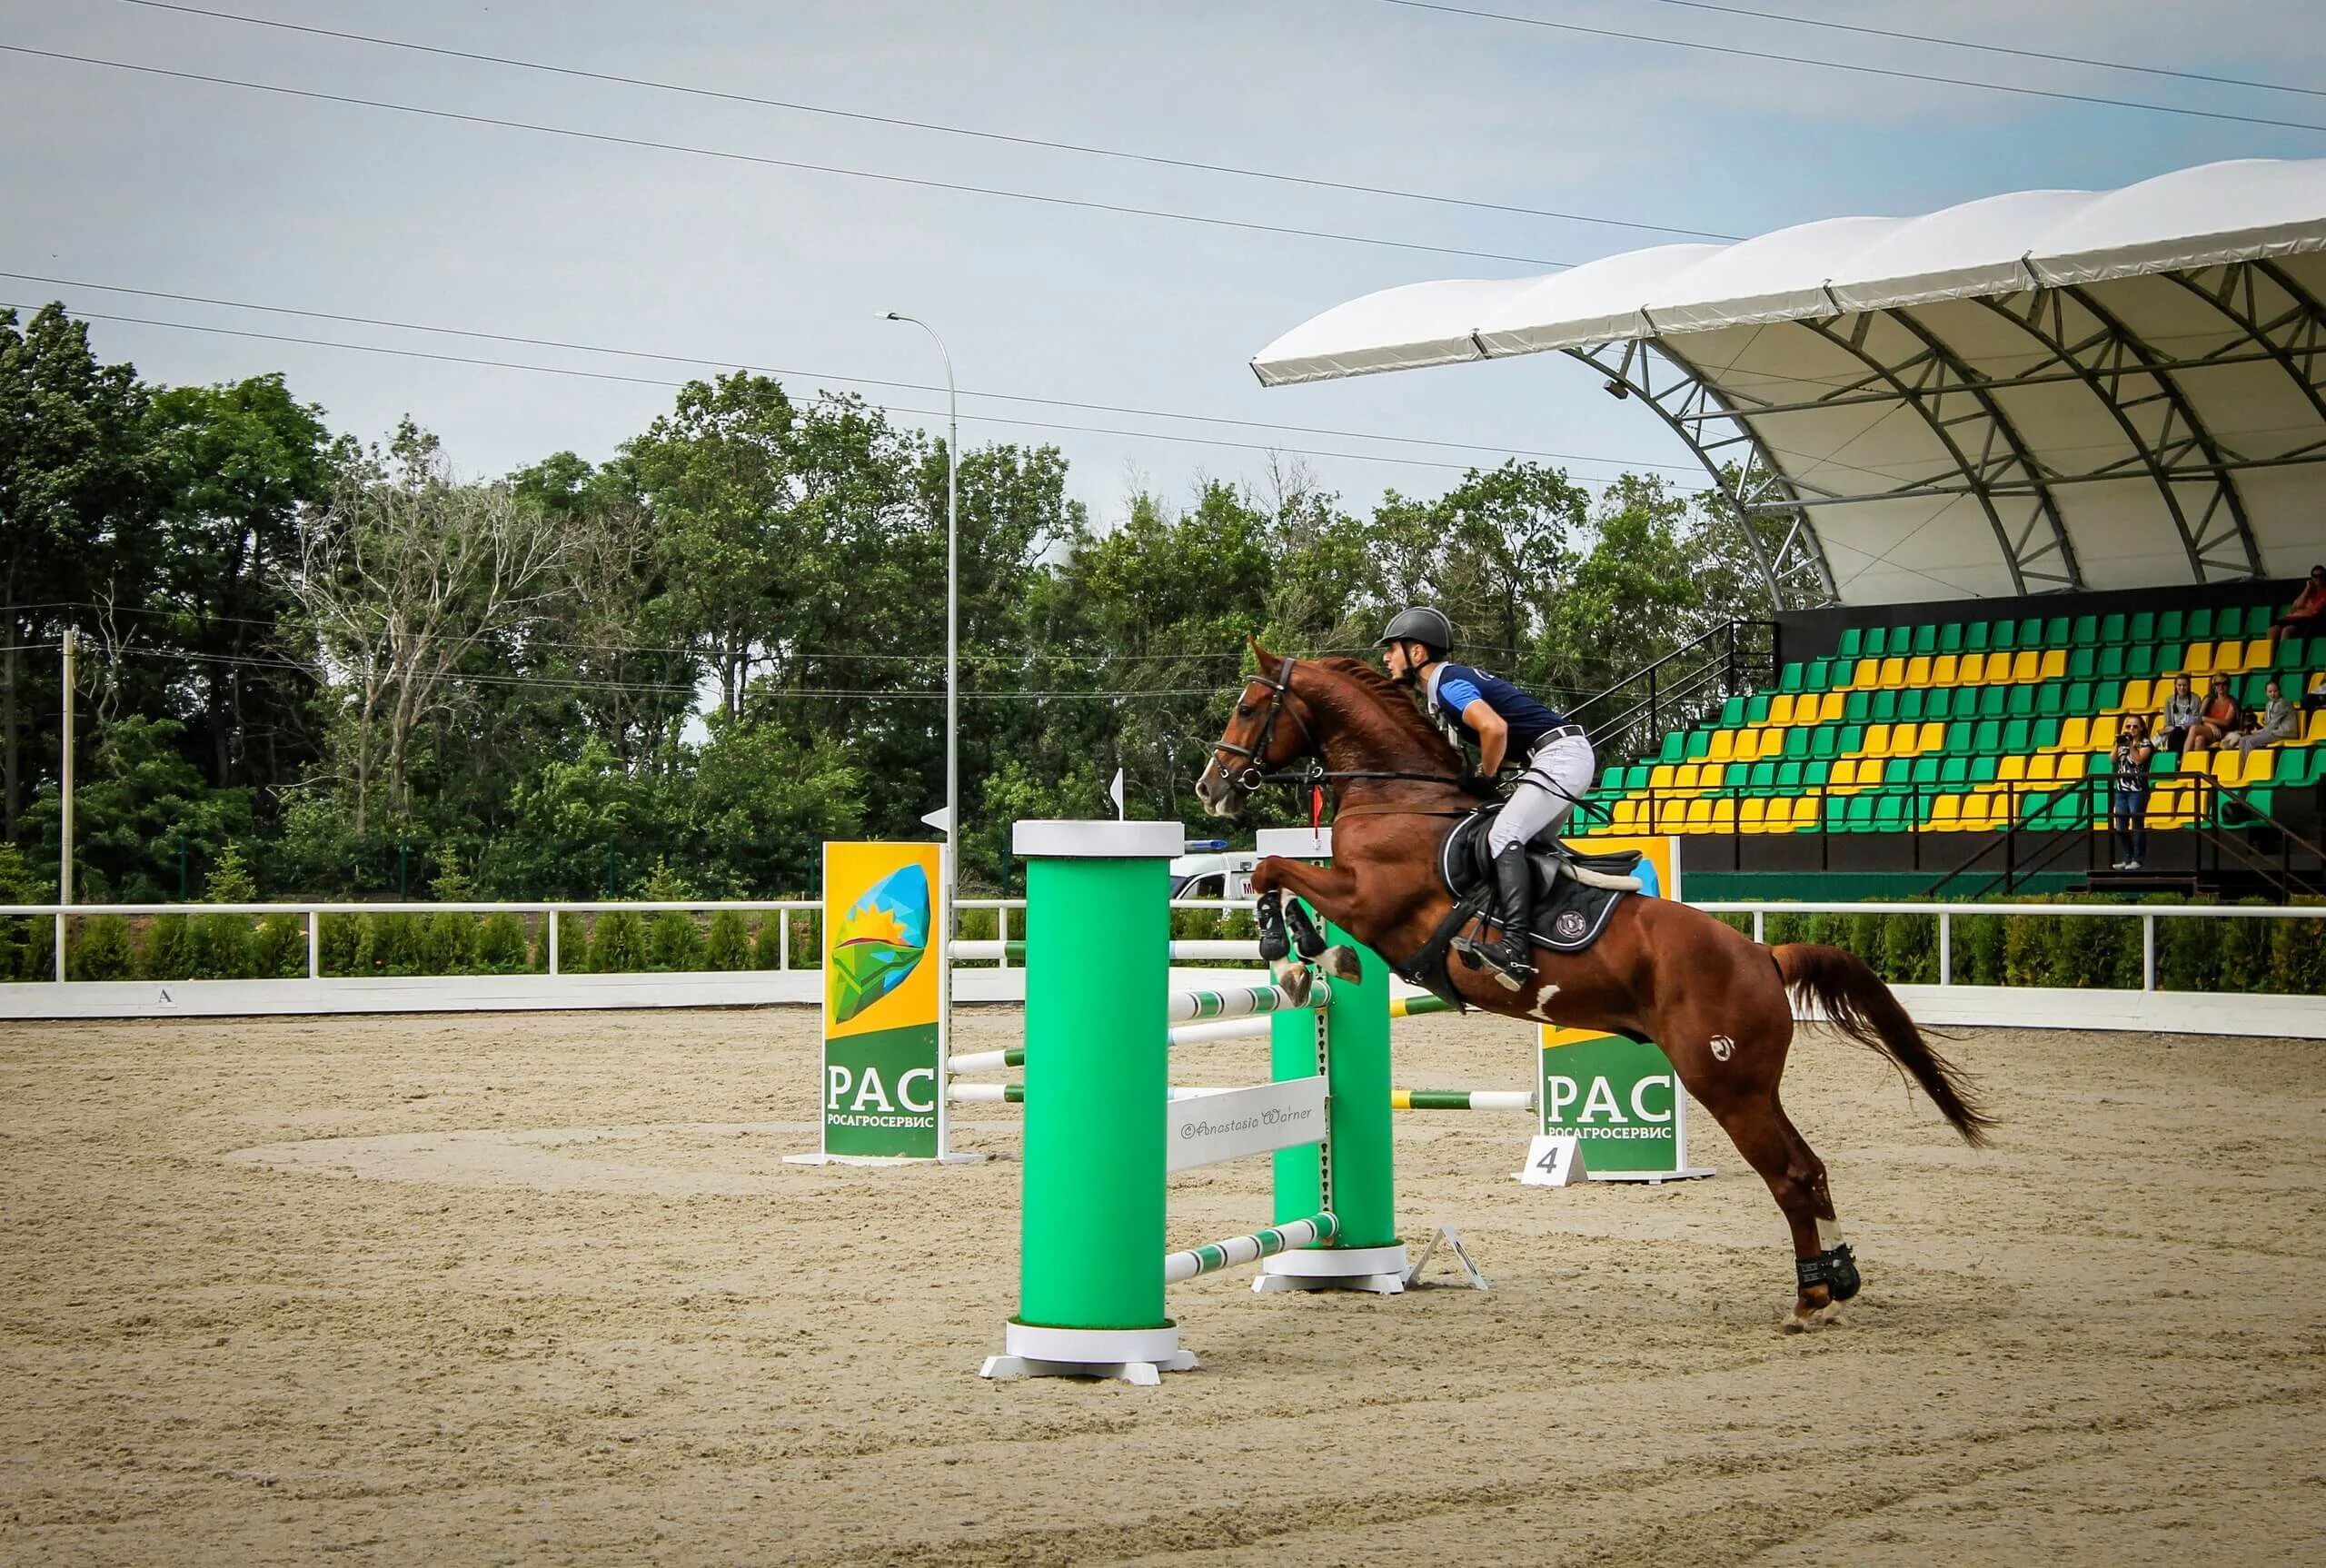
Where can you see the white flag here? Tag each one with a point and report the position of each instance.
(942, 819)
(1115, 793)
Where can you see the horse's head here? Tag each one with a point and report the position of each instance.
(1270, 727)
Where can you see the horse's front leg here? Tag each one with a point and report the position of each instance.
(1278, 880)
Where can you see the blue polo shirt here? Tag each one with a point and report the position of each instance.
(1459, 685)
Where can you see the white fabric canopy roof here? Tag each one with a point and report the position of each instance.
(2147, 363)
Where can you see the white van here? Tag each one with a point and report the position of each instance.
(1210, 870)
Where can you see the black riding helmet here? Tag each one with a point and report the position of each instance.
(1419, 624)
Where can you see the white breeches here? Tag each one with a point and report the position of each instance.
(1554, 782)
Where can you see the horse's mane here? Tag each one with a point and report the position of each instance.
(1395, 704)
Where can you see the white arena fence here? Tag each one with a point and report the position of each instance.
(987, 972)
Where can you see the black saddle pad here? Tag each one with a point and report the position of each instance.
(1570, 916)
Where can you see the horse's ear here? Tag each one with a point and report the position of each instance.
(1265, 659)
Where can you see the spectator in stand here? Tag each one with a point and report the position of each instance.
(2181, 710)
(2128, 821)
(2313, 699)
(2217, 720)
(2307, 616)
(2277, 723)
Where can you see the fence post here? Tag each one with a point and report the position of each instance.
(550, 914)
(2148, 952)
(60, 947)
(782, 939)
(315, 944)
(1759, 927)
(1001, 930)
(1945, 949)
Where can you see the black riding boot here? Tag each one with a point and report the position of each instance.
(1511, 955)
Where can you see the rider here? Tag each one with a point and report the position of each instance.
(1507, 725)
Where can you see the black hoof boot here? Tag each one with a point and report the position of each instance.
(1307, 940)
(1268, 914)
(1836, 1268)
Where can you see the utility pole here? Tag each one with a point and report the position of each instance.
(65, 815)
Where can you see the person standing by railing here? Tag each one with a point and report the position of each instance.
(2128, 818)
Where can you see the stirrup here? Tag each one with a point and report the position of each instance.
(1509, 974)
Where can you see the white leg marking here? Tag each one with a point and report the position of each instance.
(1542, 1000)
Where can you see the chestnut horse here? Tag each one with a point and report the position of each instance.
(1716, 1002)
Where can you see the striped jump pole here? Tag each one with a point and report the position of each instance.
(1461, 1099)
(1179, 1267)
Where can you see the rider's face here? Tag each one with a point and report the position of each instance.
(1398, 660)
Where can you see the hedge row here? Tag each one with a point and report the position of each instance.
(200, 946)
(2075, 951)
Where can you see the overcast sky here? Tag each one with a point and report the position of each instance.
(148, 182)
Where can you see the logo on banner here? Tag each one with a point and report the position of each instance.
(879, 941)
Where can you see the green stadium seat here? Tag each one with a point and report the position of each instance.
(1986, 736)
(1992, 700)
(1974, 637)
(1821, 743)
(2003, 634)
(1756, 712)
(2167, 627)
(2253, 694)
(1890, 811)
(1764, 776)
(1883, 641)
(2111, 663)
(1814, 776)
(1796, 743)
(1789, 678)
(2077, 698)
(2140, 662)
(2031, 634)
(2144, 627)
(1674, 741)
(1853, 739)
(1982, 769)
(1699, 742)
(2112, 628)
(1851, 645)
(2085, 632)
(1855, 706)
(1959, 736)
(1788, 775)
(2298, 764)
(1926, 639)
(1820, 676)
(1732, 714)
(1950, 638)
(2019, 702)
(2051, 698)
(2106, 694)
(1923, 770)
(2293, 654)
(1953, 770)
(2044, 735)
(2200, 627)
(2056, 631)
(1885, 705)
(1857, 814)
(2081, 662)
(1913, 704)
(2015, 733)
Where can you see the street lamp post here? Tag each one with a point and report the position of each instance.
(952, 700)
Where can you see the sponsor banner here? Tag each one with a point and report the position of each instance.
(1618, 1098)
(884, 1081)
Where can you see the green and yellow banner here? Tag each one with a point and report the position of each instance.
(884, 1074)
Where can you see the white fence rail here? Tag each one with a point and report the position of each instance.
(985, 970)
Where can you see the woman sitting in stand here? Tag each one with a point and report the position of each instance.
(2276, 722)
(2181, 710)
(2219, 719)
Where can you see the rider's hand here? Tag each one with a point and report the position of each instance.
(1482, 785)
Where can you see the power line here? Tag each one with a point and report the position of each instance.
(1982, 48)
(1734, 53)
(827, 376)
(860, 116)
(608, 138)
(663, 381)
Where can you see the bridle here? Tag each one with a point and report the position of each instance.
(1254, 774)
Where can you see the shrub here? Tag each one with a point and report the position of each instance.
(572, 944)
(617, 944)
(2243, 950)
(2298, 956)
(448, 943)
(765, 951)
(673, 944)
(100, 951)
(729, 944)
(389, 946)
(166, 954)
(342, 943)
(501, 946)
(280, 951)
(1908, 950)
(223, 948)
(1980, 940)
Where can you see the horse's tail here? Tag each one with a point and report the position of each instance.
(1855, 1001)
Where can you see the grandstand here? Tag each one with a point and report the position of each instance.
(2003, 468)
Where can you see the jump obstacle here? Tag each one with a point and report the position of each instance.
(1103, 1129)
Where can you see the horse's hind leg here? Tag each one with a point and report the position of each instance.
(1824, 1272)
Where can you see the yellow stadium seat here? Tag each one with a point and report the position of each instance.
(1877, 741)
(1781, 707)
(1870, 773)
(1943, 669)
(1893, 673)
(2024, 665)
(1671, 815)
(1624, 817)
(2010, 769)
(2316, 730)
(1754, 815)
(1972, 670)
(1662, 776)
(2201, 658)
(1946, 813)
(2054, 666)
(2075, 732)
(1710, 776)
(1723, 815)
(2257, 654)
(1829, 708)
(2196, 762)
(2038, 767)
(1918, 671)
(1723, 747)
(2228, 766)
(2138, 694)
(1699, 817)
(2262, 766)
(1686, 776)
(1844, 774)
(1933, 738)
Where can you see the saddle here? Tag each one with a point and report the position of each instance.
(1575, 892)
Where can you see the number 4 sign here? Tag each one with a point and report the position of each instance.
(1553, 1160)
